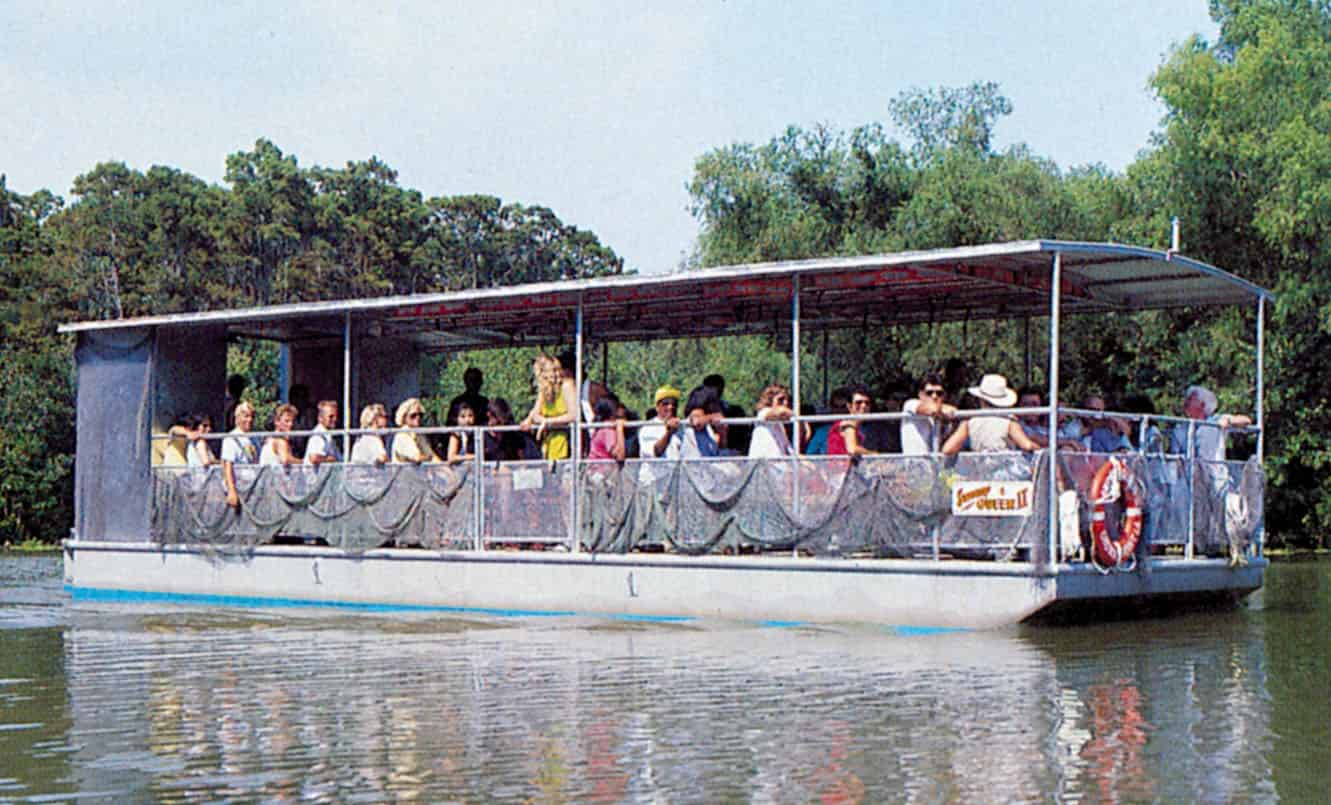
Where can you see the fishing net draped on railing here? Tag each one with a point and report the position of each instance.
(880, 506)
(349, 506)
(876, 506)
(1216, 506)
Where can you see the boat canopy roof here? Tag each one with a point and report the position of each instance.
(1003, 280)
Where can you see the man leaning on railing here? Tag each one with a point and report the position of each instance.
(1208, 439)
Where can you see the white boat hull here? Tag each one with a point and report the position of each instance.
(892, 592)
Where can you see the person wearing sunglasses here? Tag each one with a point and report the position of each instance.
(925, 413)
(410, 447)
(846, 438)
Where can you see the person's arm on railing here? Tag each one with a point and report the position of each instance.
(850, 434)
(659, 447)
(229, 479)
(1017, 435)
(620, 450)
(957, 440)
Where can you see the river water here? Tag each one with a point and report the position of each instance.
(203, 704)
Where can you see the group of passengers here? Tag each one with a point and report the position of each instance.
(930, 422)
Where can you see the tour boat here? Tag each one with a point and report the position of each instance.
(976, 540)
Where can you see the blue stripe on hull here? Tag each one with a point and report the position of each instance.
(109, 595)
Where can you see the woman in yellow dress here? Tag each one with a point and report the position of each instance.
(556, 400)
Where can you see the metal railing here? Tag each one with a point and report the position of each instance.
(480, 462)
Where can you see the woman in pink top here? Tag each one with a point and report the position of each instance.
(608, 443)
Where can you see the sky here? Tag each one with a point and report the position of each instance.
(597, 110)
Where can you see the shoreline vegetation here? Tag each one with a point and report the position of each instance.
(29, 546)
(1242, 158)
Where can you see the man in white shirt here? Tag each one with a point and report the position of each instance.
(656, 436)
(917, 430)
(323, 448)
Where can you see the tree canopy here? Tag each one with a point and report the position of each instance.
(162, 241)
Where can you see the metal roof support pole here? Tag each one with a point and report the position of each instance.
(797, 427)
(346, 386)
(1055, 292)
(1260, 410)
(575, 446)
(825, 369)
(478, 506)
(605, 364)
(1026, 332)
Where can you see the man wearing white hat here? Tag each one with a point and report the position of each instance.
(1208, 437)
(991, 433)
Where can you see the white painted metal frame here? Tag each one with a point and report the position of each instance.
(1055, 296)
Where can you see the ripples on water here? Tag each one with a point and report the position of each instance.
(178, 703)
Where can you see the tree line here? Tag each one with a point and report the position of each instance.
(1242, 157)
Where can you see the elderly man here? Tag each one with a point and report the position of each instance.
(928, 407)
(322, 447)
(1208, 438)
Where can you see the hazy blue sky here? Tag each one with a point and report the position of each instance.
(595, 109)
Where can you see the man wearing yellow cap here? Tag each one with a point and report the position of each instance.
(657, 435)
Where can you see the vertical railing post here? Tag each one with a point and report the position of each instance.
(346, 386)
(1026, 339)
(1259, 411)
(478, 453)
(1190, 467)
(796, 428)
(823, 361)
(1055, 294)
(575, 437)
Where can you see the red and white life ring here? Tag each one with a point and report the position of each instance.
(1113, 481)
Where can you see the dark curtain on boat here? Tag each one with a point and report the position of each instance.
(112, 463)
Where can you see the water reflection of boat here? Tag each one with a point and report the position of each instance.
(393, 708)
(929, 541)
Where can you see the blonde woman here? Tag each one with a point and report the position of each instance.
(369, 447)
(238, 448)
(770, 439)
(277, 449)
(553, 412)
(410, 447)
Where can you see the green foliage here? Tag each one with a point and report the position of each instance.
(804, 194)
(135, 243)
(36, 453)
(258, 362)
(945, 119)
(1243, 159)
(1245, 156)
